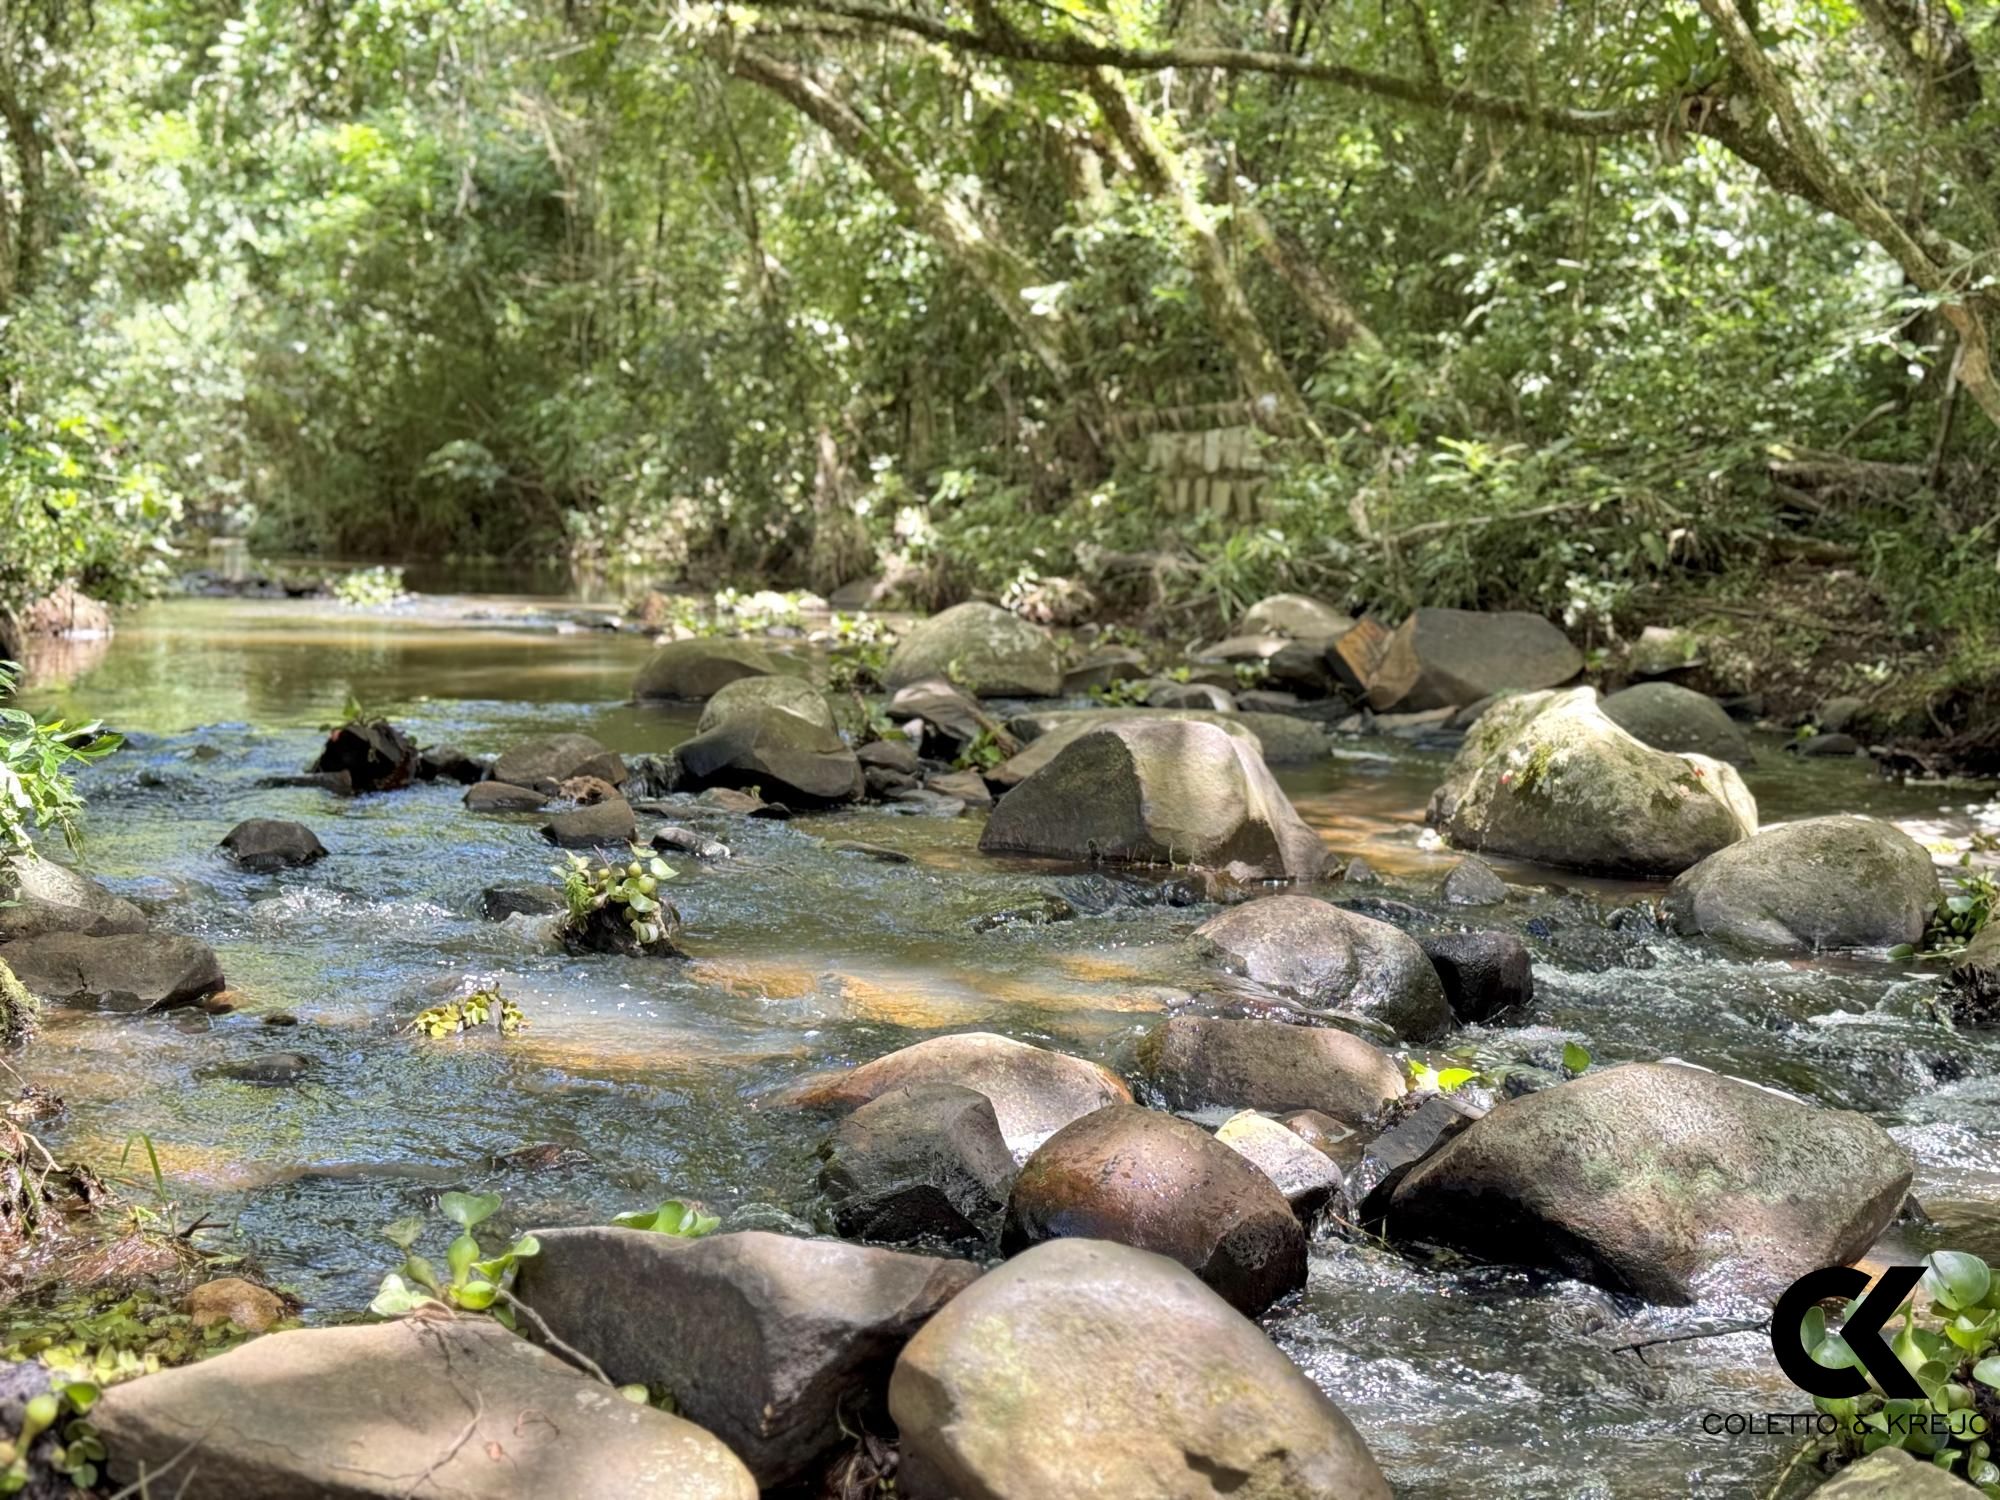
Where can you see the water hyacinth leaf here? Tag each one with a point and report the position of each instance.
(1833, 1353)
(81, 1395)
(462, 1252)
(1957, 1279)
(1452, 1078)
(404, 1232)
(395, 1298)
(477, 1295)
(468, 1210)
(1575, 1058)
(1987, 1372)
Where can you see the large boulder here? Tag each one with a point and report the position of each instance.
(1447, 658)
(1662, 1180)
(123, 971)
(1084, 1370)
(1202, 1062)
(1035, 1092)
(546, 762)
(268, 844)
(777, 1345)
(1892, 1474)
(39, 896)
(922, 1163)
(1670, 717)
(1839, 882)
(1331, 959)
(749, 697)
(383, 1411)
(66, 614)
(1161, 791)
(1297, 616)
(1284, 739)
(983, 649)
(1547, 777)
(1153, 1180)
(789, 758)
(703, 667)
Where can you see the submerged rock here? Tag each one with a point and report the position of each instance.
(1035, 1092)
(231, 1299)
(922, 1163)
(267, 1069)
(499, 902)
(1083, 1370)
(267, 844)
(774, 751)
(1670, 717)
(122, 971)
(386, 1410)
(776, 1345)
(1330, 959)
(1547, 777)
(702, 668)
(545, 763)
(1168, 791)
(1154, 1181)
(39, 896)
(1839, 882)
(1202, 1062)
(449, 763)
(1661, 1180)
(1447, 658)
(981, 648)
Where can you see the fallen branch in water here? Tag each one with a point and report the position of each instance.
(1638, 1346)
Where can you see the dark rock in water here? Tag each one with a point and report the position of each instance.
(982, 648)
(924, 803)
(1103, 667)
(725, 799)
(1747, 707)
(267, 1068)
(1588, 944)
(890, 755)
(1483, 973)
(1306, 1176)
(1388, 1158)
(499, 902)
(951, 719)
(1669, 717)
(1443, 658)
(698, 669)
(779, 1346)
(337, 782)
(122, 972)
(1266, 701)
(1973, 987)
(545, 1156)
(1039, 913)
(1826, 744)
(40, 896)
(1114, 1375)
(880, 853)
(267, 844)
(598, 826)
(968, 787)
(1660, 1179)
(649, 776)
(915, 1164)
(374, 755)
(677, 840)
(1838, 882)
(1359, 872)
(1837, 714)
(1166, 791)
(1191, 695)
(545, 763)
(503, 796)
(1472, 882)
(1203, 1062)
(1331, 959)
(880, 784)
(449, 763)
(604, 929)
(418, 1406)
(1035, 1092)
(773, 751)
(280, 1018)
(1154, 1181)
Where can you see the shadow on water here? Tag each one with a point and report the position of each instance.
(1464, 1381)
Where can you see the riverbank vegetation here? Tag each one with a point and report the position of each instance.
(1651, 313)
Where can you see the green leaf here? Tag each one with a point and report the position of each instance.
(404, 1232)
(1987, 1372)
(1957, 1279)
(1575, 1058)
(469, 1209)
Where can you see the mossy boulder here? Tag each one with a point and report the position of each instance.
(1157, 791)
(1282, 739)
(981, 648)
(749, 696)
(40, 896)
(701, 668)
(788, 758)
(1547, 777)
(17, 1007)
(1839, 882)
(1670, 717)
(1661, 1180)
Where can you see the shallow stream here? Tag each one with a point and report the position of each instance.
(1478, 1382)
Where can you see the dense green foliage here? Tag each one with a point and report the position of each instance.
(1590, 310)
(36, 758)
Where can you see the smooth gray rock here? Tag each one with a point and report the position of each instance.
(697, 669)
(1299, 616)
(119, 971)
(1472, 882)
(770, 1342)
(1205, 1062)
(39, 896)
(268, 844)
(597, 826)
(982, 649)
(750, 696)
(919, 1163)
(1306, 1176)
(545, 763)
(504, 796)
(1670, 717)
(788, 758)
(1447, 658)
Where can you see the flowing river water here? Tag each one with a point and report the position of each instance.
(1468, 1381)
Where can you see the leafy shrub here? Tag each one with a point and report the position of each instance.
(369, 588)
(36, 758)
(675, 1217)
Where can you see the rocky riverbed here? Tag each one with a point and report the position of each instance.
(903, 1016)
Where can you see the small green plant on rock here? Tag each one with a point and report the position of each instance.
(1127, 692)
(1960, 915)
(675, 1217)
(468, 1283)
(474, 1010)
(78, 1453)
(618, 908)
(982, 754)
